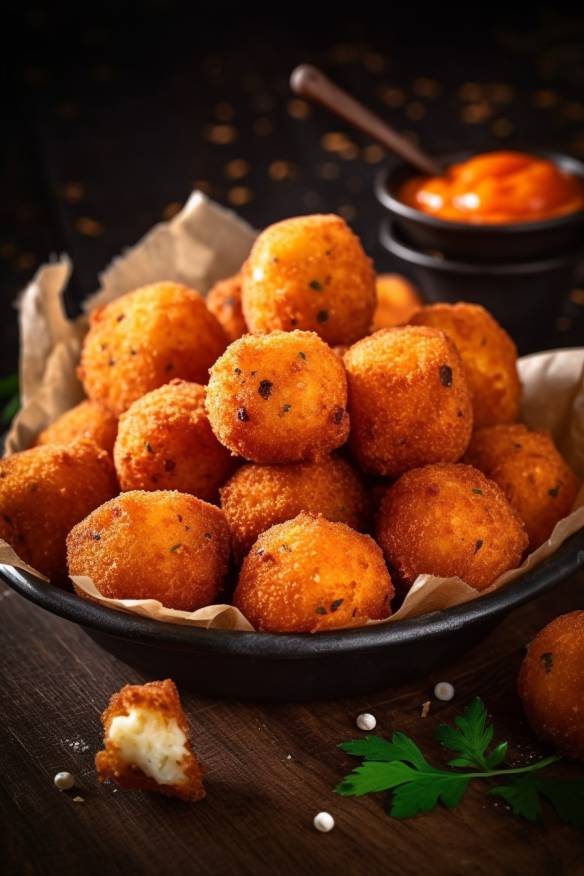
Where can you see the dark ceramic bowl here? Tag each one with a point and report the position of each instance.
(525, 297)
(512, 242)
(299, 666)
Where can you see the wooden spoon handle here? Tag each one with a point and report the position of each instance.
(308, 82)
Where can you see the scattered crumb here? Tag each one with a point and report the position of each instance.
(288, 757)
(425, 709)
(444, 691)
(79, 799)
(64, 781)
(78, 745)
(366, 721)
(323, 822)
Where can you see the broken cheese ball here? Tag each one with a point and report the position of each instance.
(147, 746)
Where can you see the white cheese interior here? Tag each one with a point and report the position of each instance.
(154, 744)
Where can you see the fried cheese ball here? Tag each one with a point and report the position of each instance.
(160, 545)
(530, 470)
(165, 442)
(259, 496)
(146, 742)
(446, 520)
(489, 356)
(47, 490)
(551, 684)
(310, 574)
(224, 302)
(310, 273)
(409, 400)
(145, 338)
(280, 397)
(88, 419)
(397, 301)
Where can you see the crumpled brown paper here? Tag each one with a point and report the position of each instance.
(202, 244)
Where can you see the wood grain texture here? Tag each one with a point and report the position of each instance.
(269, 769)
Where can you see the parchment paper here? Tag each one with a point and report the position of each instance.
(201, 245)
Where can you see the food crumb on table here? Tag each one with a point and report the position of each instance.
(425, 709)
(323, 822)
(366, 721)
(444, 691)
(64, 780)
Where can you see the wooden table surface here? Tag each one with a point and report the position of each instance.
(270, 768)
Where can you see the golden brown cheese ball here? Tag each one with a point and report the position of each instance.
(165, 442)
(160, 545)
(310, 574)
(397, 301)
(47, 490)
(551, 684)
(489, 356)
(311, 273)
(258, 496)
(280, 397)
(409, 400)
(88, 419)
(146, 742)
(448, 520)
(530, 470)
(224, 302)
(145, 338)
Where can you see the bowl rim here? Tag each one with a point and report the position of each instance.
(568, 559)
(390, 241)
(394, 205)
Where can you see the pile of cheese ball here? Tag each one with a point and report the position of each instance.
(303, 443)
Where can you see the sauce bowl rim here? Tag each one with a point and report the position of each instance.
(382, 188)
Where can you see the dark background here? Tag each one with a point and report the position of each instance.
(114, 115)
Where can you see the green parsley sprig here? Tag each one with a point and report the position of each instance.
(400, 767)
(9, 401)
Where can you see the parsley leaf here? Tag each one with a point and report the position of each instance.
(417, 788)
(424, 793)
(471, 737)
(376, 748)
(9, 394)
(371, 748)
(8, 386)
(398, 765)
(9, 410)
(524, 795)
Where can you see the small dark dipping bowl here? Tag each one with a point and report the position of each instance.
(524, 297)
(505, 242)
(300, 666)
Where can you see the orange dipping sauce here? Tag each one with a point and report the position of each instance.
(496, 187)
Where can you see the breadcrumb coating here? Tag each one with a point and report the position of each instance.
(489, 356)
(224, 302)
(551, 684)
(449, 520)
(310, 574)
(165, 442)
(44, 492)
(146, 743)
(88, 419)
(530, 470)
(153, 545)
(277, 398)
(309, 272)
(144, 339)
(409, 400)
(397, 301)
(259, 496)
